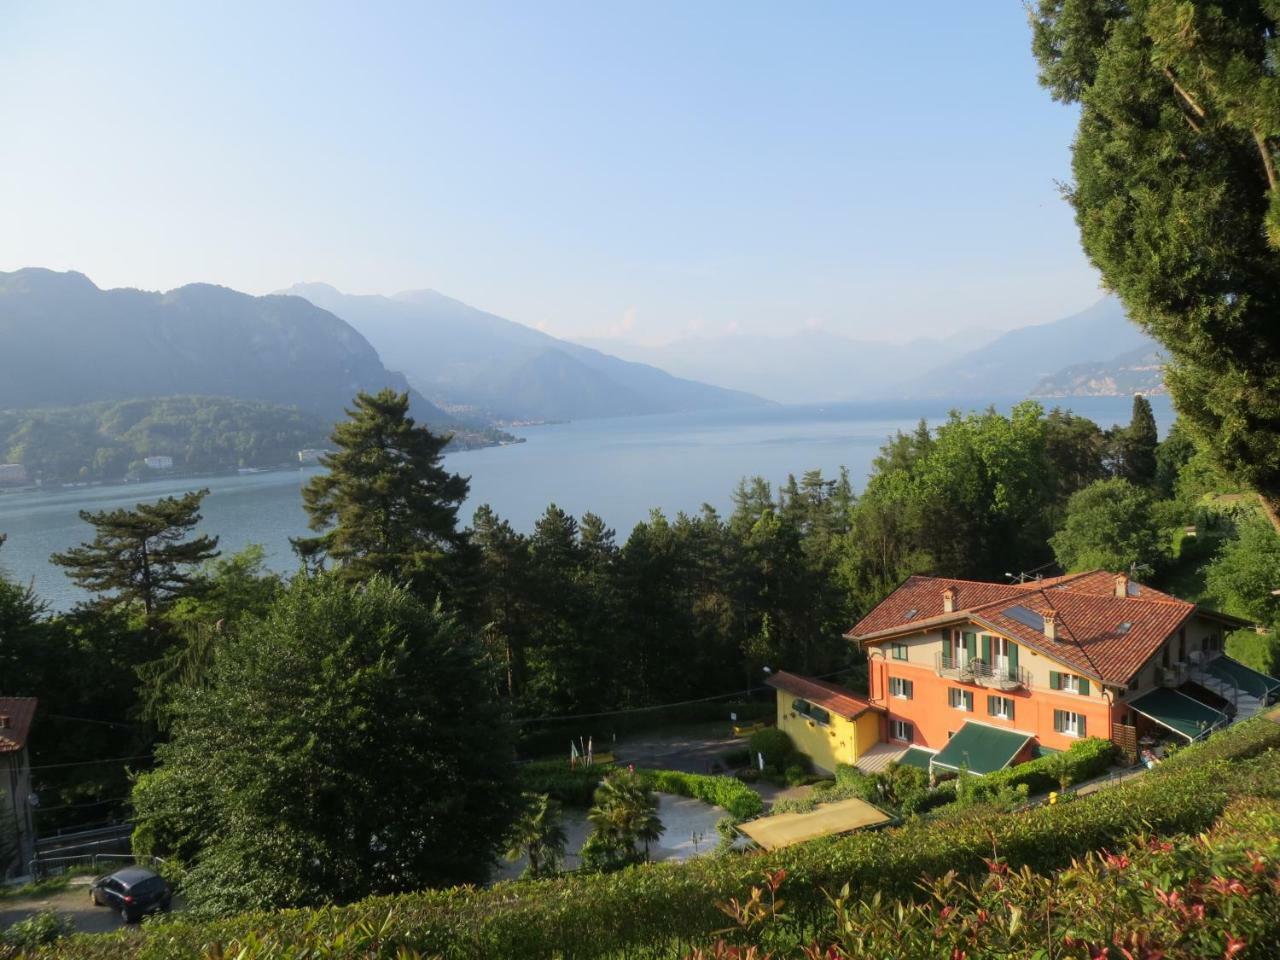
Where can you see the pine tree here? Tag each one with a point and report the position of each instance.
(141, 556)
(386, 505)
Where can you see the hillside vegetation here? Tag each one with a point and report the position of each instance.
(664, 910)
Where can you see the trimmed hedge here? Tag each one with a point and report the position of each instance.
(735, 797)
(572, 786)
(658, 910)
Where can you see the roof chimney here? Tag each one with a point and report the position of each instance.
(949, 600)
(1122, 585)
(1051, 624)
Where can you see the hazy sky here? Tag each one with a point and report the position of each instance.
(596, 169)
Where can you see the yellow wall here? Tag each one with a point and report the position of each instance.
(841, 741)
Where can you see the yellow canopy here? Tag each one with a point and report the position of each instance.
(829, 818)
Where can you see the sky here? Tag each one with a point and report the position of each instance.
(647, 171)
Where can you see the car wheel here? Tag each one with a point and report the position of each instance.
(93, 898)
(124, 916)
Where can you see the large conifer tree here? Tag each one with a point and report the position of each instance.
(141, 556)
(1178, 199)
(386, 505)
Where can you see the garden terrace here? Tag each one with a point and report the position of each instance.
(663, 910)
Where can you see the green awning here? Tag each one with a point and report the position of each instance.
(1245, 678)
(1180, 713)
(915, 757)
(981, 749)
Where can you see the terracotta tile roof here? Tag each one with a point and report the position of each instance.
(829, 696)
(14, 732)
(1091, 633)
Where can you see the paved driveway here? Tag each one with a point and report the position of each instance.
(73, 903)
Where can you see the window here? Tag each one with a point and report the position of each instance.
(1068, 722)
(1069, 683)
(899, 651)
(900, 730)
(814, 713)
(960, 699)
(1000, 707)
(902, 689)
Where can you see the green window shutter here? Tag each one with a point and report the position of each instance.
(968, 700)
(991, 706)
(971, 644)
(986, 648)
(947, 651)
(1012, 708)
(1055, 680)
(909, 684)
(1081, 729)
(1013, 656)
(1059, 720)
(1084, 687)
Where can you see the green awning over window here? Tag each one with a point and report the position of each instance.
(1180, 713)
(981, 749)
(1245, 678)
(915, 757)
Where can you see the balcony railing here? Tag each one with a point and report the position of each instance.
(1000, 677)
(953, 668)
(980, 672)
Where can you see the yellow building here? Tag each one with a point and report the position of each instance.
(827, 723)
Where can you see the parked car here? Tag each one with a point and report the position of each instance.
(134, 891)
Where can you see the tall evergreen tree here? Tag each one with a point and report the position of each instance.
(386, 505)
(141, 556)
(1140, 442)
(1177, 196)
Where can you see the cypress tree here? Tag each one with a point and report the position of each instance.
(141, 556)
(386, 505)
(1140, 442)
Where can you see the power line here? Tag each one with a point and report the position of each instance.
(78, 806)
(660, 706)
(84, 763)
(105, 723)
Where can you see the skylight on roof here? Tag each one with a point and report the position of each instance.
(912, 612)
(1124, 627)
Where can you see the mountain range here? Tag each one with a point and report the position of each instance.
(67, 342)
(459, 355)
(816, 366)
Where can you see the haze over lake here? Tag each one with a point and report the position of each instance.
(619, 468)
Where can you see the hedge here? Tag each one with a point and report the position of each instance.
(661, 910)
(572, 786)
(735, 797)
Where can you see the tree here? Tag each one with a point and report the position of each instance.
(1178, 200)
(1109, 524)
(1138, 443)
(539, 837)
(141, 556)
(385, 505)
(1245, 571)
(623, 816)
(346, 744)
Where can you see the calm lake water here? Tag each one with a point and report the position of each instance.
(619, 468)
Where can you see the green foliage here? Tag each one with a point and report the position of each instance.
(109, 441)
(538, 836)
(774, 745)
(1245, 571)
(1138, 444)
(36, 930)
(1178, 200)
(346, 744)
(656, 910)
(572, 786)
(729, 793)
(385, 505)
(1258, 650)
(1109, 524)
(624, 822)
(141, 556)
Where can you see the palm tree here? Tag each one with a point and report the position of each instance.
(538, 835)
(624, 814)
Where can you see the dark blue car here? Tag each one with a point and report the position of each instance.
(133, 891)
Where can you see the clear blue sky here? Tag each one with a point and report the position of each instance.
(592, 168)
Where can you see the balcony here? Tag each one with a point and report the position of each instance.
(953, 668)
(1003, 677)
(983, 674)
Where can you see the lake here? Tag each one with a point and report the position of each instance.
(619, 468)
